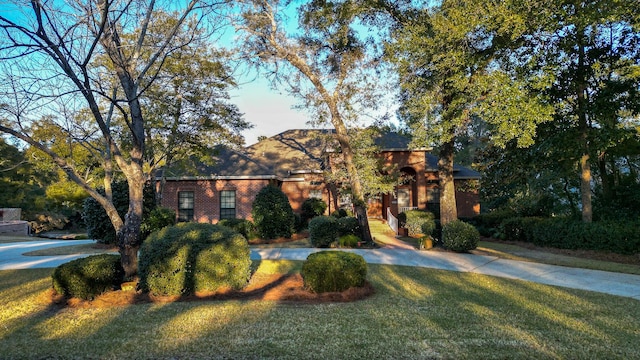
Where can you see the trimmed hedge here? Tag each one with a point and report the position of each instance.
(519, 228)
(157, 219)
(192, 257)
(348, 226)
(459, 236)
(330, 271)
(88, 277)
(272, 213)
(417, 221)
(312, 207)
(323, 231)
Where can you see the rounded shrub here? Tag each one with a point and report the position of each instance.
(323, 231)
(242, 226)
(313, 207)
(157, 219)
(348, 226)
(348, 241)
(191, 257)
(414, 220)
(329, 271)
(88, 277)
(272, 213)
(459, 236)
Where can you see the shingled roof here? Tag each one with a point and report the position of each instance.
(299, 150)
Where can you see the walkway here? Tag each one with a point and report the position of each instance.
(600, 281)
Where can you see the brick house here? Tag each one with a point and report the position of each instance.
(296, 161)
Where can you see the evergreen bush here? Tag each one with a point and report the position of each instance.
(242, 226)
(348, 226)
(323, 231)
(272, 213)
(312, 207)
(193, 257)
(157, 219)
(414, 220)
(348, 241)
(459, 236)
(88, 277)
(329, 271)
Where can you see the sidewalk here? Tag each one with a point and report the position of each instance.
(593, 280)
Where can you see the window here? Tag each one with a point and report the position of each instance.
(185, 206)
(227, 204)
(315, 194)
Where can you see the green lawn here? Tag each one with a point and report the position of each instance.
(415, 313)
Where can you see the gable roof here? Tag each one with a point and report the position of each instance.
(297, 151)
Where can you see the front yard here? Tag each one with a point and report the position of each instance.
(415, 313)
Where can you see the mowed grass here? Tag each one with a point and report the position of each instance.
(415, 313)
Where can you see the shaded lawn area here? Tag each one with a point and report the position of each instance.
(415, 313)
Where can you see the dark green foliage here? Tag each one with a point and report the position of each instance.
(566, 233)
(519, 228)
(414, 220)
(242, 226)
(88, 277)
(459, 236)
(341, 213)
(157, 219)
(488, 224)
(348, 226)
(323, 231)
(329, 271)
(313, 207)
(272, 213)
(99, 225)
(191, 257)
(348, 241)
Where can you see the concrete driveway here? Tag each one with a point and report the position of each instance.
(11, 257)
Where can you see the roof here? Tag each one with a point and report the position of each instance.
(295, 151)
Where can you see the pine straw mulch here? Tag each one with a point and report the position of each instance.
(287, 288)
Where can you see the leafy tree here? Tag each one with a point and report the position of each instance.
(325, 64)
(62, 57)
(448, 56)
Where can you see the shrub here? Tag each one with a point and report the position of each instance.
(157, 219)
(88, 277)
(242, 226)
(459, 236)
(340, 213)
(348, 226)
(323, 231)
(99, 225)
(313, 207)
(328, 271)
(348, 241)
(413, 220)
(519, 228)
(272, 213)
(191, 257)
(488, 223)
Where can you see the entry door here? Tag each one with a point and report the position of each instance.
(404, 198)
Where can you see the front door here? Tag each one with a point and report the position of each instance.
(404, 199)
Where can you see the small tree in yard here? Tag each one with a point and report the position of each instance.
(272, 213)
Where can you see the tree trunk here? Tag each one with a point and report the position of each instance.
(585, 163)
(448, 210)
(129, 240)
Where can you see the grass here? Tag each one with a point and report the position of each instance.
(416, 313)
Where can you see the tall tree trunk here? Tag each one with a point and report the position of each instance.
(585, 163)
(448, 210)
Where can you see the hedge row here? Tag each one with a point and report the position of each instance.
(326, 230)
(417, 222)
(619, 237)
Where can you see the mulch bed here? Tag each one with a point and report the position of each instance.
(288, 288)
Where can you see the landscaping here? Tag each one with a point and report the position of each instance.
(414, 313)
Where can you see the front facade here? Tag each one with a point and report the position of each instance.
(296, 161)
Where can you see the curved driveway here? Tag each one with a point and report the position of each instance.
(11, 257)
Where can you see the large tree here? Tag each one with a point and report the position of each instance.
(449, 56)
(326, 63)
(99, 55)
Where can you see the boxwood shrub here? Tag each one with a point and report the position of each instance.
(329, 271)
(312, 207)
(323, 231)
(348, 226)
(348, 241)
(459, 236)
(88, 277)
(192, 257)
(245, 227)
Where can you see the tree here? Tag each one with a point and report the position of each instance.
(324, 64)
(449, 59)
(59, 58)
